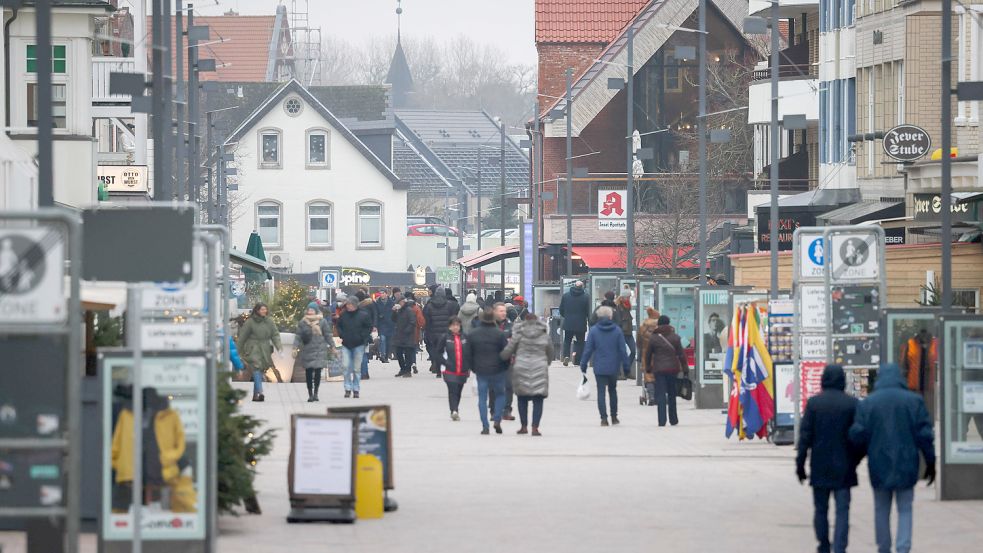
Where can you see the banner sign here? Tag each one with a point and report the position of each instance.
(611, 212)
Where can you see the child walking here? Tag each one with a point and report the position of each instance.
(453, 357)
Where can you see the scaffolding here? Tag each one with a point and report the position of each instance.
(306, 44)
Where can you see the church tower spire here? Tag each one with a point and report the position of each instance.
(399, 75)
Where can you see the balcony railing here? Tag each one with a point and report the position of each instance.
(794, 63)
(101, 69)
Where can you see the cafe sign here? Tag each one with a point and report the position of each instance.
(907, 143)
(123, 178)
(928, 207)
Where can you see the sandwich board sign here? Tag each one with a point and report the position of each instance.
(32, 275)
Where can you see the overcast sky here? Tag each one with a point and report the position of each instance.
(507, 24)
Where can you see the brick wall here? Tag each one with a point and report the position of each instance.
(554, 59)
(605, 134)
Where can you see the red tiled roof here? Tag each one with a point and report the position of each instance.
(245, 53)
(583, 20)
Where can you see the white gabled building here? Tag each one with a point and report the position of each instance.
(316, 194)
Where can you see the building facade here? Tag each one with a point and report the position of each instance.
(315, 193)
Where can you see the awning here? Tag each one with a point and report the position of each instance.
(247, 261)
(863, 211)
(614, 257)
(481, 258)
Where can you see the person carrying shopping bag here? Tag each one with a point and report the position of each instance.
(313, 335)
(666, 359)
(532, 352)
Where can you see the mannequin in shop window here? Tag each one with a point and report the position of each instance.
(919, 359)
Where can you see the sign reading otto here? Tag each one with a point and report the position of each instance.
(907, 143)
(123, 178)
(611, 210)
(32, 276)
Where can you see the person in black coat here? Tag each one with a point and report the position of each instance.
(575, 309)
(355, 329)
(825, 431)
(455, 305)
(438, 313)
(454, 357)
(384, 323)
(404, 336)
(487, 342)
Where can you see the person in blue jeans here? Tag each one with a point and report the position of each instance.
(354, 328)
(825, 432)
(383, 307)
(484, 357)
(606, 346)
(892, 425)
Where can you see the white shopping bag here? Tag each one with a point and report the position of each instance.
(583, 391)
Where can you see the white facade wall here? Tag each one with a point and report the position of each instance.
(349, 180)
(74, 147)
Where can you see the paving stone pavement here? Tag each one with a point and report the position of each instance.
(579, 488)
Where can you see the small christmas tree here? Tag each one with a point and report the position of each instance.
(240, 446)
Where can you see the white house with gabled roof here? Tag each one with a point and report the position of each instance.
(313, 191)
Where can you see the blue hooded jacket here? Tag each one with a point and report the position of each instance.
(892, 425)
(606, 346)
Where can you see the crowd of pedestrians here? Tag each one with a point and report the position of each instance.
(509, 350)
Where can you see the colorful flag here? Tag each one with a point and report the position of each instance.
(756, 390)
(733, 371)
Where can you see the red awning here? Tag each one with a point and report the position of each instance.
(615, 257)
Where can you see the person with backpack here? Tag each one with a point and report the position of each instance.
(666, 359)
(531, 350)
(824, 433)
(455, 357)
(606, 346)
(893, 426)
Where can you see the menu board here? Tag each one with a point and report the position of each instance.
(322, 456)
(374, 435)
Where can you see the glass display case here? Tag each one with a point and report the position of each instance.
(962, 389)
(910, 338)
(601, 284)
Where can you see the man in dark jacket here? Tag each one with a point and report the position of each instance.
(892, 425)
(608, 301)
(606, 346)
(384, 323)
(825, 430)
(354, 329)
(487, 343)
(437, 313)
(404, 336)
(455, 305)
(666, 359)
(504, 324)
(574, 308)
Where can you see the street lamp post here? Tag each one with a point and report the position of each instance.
(946, 215)
(629, 173)
(569, 199)
(773, 212)
(501, 191)
(701, 126)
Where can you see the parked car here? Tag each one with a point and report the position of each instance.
(432, 230)
(424, 220)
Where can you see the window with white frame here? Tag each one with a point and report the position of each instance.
(370, 224)
(59, 86)
(969, 299)
(268, 223)
(270, 151)
(319, 224)
(318, 148)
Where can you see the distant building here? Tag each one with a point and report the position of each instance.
(316, 194)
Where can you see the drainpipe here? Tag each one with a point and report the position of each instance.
(6, 68)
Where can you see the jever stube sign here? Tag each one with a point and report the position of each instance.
(907, 143)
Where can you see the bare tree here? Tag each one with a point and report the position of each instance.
(666, 236)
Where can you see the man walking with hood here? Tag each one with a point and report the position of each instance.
(825, 431)
(892, 425)
(575, 309)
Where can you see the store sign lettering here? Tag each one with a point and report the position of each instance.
(906, 143)
(350, 277)
(928, 207)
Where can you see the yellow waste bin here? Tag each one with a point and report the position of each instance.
(368, 487)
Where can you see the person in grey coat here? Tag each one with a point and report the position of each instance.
(313, 334)
(468, 313)
(532, 351)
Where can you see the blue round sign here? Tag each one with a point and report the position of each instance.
(816, 251)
